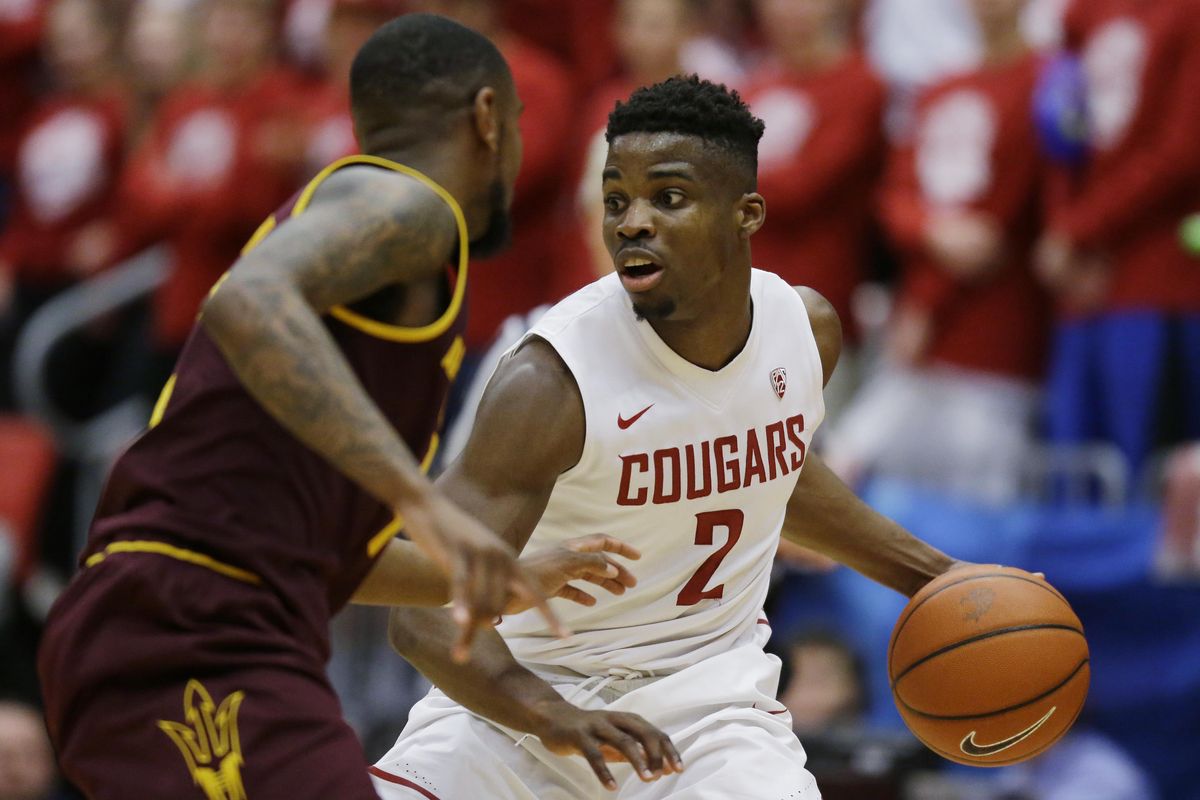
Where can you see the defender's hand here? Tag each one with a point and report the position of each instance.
(482, 568)
(585, 558)
(601, 736)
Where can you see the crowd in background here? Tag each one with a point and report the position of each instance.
(994, 194)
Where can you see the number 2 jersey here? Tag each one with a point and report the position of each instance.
(691, 466)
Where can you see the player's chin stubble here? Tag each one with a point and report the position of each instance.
(661, 310)
(499, 230)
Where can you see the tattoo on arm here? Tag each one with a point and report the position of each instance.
(266, 318)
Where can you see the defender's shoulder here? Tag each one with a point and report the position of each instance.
(374, 193)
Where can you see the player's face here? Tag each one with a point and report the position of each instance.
(670, 222)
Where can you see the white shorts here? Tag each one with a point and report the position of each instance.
(735, 738)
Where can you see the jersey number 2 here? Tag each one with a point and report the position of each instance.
(731, 520)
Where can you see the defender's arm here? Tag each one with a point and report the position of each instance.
(404, 576)
(366, 229)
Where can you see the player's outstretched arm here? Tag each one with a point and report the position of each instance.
(495, 686)
(404, 576)
(365, 229)
(823, 514)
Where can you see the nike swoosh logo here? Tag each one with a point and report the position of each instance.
(623, 423)
(970, 747)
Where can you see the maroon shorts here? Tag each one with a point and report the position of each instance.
(163, 679)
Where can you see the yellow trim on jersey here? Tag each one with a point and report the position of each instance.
(267, 226)
(160, 405)
(177, 553)
(381, 330)
(389, 531)
(452, 361)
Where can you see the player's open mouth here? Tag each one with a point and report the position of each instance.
(639, 273)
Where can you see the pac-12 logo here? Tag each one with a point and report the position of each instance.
(779, 381)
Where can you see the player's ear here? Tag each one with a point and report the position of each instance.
(486, 116)
(751, 214)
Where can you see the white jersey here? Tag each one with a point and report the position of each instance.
(691, 466)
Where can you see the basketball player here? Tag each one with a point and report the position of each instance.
(672, 403)
(186, 659)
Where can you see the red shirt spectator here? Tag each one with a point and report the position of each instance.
(1142, 65)
(973, 161)
(818, 162)
(579, 33)
(652, 40)
(20, 36)
(203, 181)
(68, 160)
(329, 129)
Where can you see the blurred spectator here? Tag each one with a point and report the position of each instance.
(328, 128)
(956, 400)
(652, 39)
(819, 157)
(1179, 549)
(575, 32)
(20, 37)
(159, 50)
(1126, 361)
(62, 224)
(214, 163)
(520, 278)
(916, 42)
(26, 760)
(825, 686)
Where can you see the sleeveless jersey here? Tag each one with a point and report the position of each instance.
(691, 466)
(217, 481)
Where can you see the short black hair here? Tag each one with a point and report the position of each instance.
(421, 65)
(694, 107)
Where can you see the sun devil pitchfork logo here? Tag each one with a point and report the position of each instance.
(779, 381)
(208, 740)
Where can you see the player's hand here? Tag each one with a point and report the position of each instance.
(586, 558)
(601, 736)
(482, 568)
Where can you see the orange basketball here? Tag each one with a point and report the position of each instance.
(988, 665)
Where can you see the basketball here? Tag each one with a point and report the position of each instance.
(988, 665)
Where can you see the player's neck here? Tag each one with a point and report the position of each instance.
(715, 335)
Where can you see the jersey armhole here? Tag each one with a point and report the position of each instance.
(814, 351)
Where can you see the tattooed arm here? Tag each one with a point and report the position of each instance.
(365, 229)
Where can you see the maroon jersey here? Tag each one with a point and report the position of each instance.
(216, 480)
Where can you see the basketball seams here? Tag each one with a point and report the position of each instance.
(980, 637)
(985, 715)
(965, 579)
